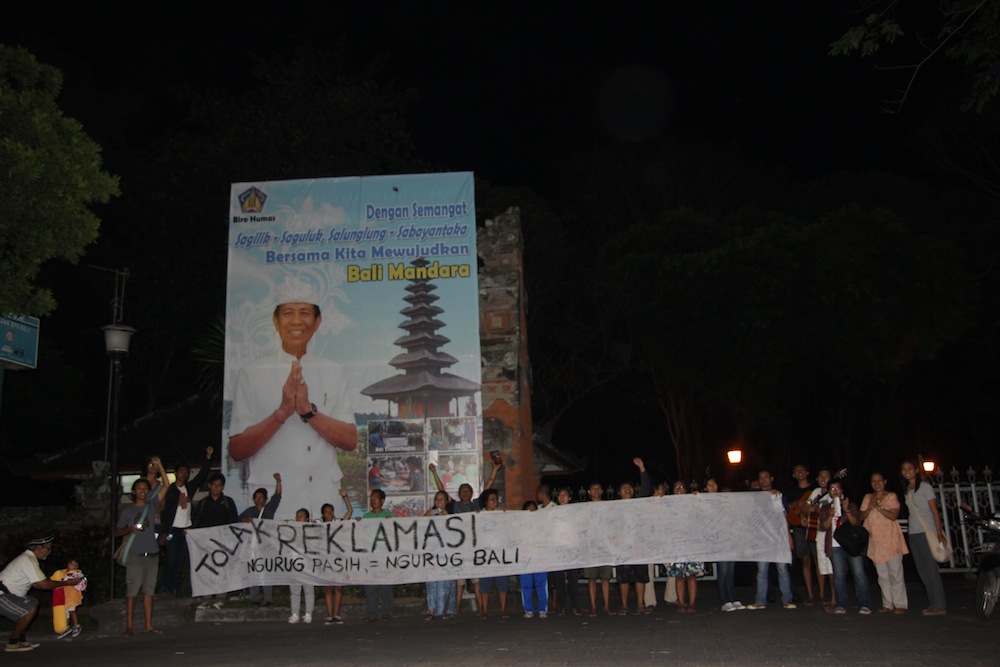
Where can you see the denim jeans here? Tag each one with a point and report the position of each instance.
(841, 561)
(784, 582)
(726, 573)
(176, 553)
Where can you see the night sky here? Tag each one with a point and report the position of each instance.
(507, 90)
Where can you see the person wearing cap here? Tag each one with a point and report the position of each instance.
(263, 508)
(20, 575)
(291, 410)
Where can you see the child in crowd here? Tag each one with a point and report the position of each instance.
(72, 597)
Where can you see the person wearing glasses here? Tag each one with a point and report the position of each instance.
(20, 575)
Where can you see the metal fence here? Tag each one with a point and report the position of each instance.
(977, 491)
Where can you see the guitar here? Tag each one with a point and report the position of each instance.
(803, 512)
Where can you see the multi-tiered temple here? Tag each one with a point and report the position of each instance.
(423, 390)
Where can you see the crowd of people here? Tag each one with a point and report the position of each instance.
(816, 508)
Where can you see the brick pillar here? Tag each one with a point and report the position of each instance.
(505, 366)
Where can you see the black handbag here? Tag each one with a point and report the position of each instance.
(852, 538)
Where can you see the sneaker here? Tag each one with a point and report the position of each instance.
(204, 605)
(790, 605)
(19, 646)
(218, 605)
(528, 614)
(864, 611)
(307, 618)
(294, 618)
(268, 604)
(328, 620)
(337, 620)
(65, 633)
(756, 605)
(729, 606)
(76, 631)
(737, 605)
(839, 610)
(543, 614)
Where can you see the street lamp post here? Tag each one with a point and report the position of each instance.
(116, 343)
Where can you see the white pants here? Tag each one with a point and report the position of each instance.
(890, 580)
(823, 562)
(295, 592)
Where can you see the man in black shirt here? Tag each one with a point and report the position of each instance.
(175, 518)
(216, 509)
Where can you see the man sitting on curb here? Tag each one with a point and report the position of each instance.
(21, 574)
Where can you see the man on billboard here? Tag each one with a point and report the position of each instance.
(290, 410)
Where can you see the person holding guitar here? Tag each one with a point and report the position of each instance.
(803, 530)
(819, 499)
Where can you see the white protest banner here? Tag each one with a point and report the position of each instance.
(684, 528)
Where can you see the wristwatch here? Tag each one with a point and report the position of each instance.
(309, 415)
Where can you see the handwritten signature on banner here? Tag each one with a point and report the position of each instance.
(702, 527)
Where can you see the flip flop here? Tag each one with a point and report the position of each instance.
(153, 631)
(127, 633)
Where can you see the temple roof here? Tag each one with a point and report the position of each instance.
(423, 358)
(422, 384)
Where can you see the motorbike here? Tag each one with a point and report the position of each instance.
(988, 579)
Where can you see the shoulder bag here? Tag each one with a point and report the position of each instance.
(941, 551)
(121, 553)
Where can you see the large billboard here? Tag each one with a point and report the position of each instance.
(352, 341)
